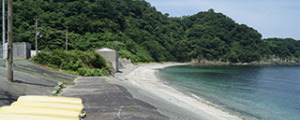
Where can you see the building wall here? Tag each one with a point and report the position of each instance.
(1, 53)
(20, 51)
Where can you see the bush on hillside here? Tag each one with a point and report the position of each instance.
(80, 63)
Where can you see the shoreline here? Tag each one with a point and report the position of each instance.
(268, 62)
(144, 83)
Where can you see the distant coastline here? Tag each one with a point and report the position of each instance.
(271, 61)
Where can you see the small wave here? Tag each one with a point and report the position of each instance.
(199, 98)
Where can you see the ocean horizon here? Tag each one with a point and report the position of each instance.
(252, 92)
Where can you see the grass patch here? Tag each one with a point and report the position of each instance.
(45, 74)
(133, 106)
(66, 82)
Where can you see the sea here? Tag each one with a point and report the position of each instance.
(252, 92)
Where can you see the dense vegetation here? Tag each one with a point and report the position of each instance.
(284, 48)
(75, 62)
(139, 32)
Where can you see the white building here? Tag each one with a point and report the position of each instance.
(111, 56)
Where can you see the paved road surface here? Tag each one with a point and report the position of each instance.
(107, 101)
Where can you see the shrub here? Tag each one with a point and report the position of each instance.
(80, 63)
(42, 58)
(91, 72)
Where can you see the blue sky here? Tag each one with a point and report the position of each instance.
(272, 18)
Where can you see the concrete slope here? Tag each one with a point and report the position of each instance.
(30, 79)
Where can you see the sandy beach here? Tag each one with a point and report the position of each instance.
(142, 81)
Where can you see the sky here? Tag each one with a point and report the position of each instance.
(271, 18)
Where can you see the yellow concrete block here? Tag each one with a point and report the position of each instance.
(54, 105)
(8, 116)
(50, 99)
(39, 111)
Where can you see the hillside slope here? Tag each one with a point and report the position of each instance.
(139, 32)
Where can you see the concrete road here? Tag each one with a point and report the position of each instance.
(106, 101)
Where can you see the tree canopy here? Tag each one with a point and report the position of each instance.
(140, 32)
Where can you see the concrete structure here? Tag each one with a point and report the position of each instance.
(111, 56)
(20, 51)
(33, 52)
(5, 50)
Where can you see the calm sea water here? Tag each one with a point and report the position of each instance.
(254, 92)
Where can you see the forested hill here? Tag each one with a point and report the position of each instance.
(140, 32)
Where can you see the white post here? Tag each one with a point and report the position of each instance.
(3, 27)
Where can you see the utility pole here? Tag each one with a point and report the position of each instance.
(10, 76)
(36, 35)
(3, 27)
(67, 30)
